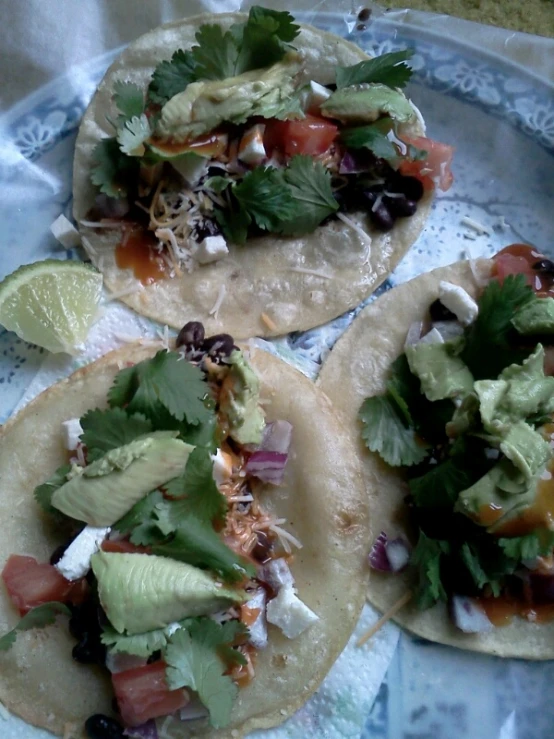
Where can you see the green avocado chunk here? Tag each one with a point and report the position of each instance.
(366, 103)
(143, 592)
(241, 403)
(441, 372)
(107, 489)
(537, 317)
(204, 105)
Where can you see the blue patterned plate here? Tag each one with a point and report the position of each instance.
(501, 120)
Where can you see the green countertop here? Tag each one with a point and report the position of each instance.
(529, 16)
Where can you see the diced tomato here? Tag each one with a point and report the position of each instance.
(123, 546)
(518, 259)
(30, 584)
(311, 136)
(142, 694)
(435, 169)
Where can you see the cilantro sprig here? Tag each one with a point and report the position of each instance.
(104, 430)
(388, 69)
(37, 618)
(427, 557)
(260, 42)
(373, 137)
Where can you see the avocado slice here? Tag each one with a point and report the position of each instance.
(107, 489)
(240, 401)
(142, 592)
(440, 370)
(205, 104)
(366, 103)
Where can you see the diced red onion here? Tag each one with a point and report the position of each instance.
(267, 466)
(258, 630)
(111, 207)
(120, 662)
(378, 559)
(277, 437)
(276, 573)
(144, 731)
(414, 333)
(398, 553)
(469, 616)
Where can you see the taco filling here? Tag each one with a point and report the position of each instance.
(468, 417)
(173, 566)
(231, 140)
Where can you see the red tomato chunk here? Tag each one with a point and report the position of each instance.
(30, 584)
(311, 136)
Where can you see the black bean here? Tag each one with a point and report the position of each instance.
(411, 187)
(103, 727)
(155, 657)
(382, 218)
(218, 345)
(401, 206)
(191, 335)
(544, 265)
(439, 312)
(364, 15)
(263, 547)
(89, 651)
(361, 27)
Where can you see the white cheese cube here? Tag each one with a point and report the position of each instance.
(211, 249)
(288, 613)
(191, 167)
(317, 95)
(457, 300)
(223, 467)
(277, 574)
(72, 430)
(258, 630)
(251, 147)
(433, 337)
(65, 232)
(75, 562)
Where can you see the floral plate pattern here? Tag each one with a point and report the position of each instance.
(501, 119)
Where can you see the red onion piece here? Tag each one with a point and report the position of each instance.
(267, 466)
(398, 553)
(144, 731)
(277, 437)
(414, 333)
(193, 710)
(276, 573)
(378, 559)
(469, 616)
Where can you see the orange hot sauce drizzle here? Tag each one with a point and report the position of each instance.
(136, 252)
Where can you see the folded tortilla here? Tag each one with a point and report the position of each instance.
(322, 499)
(358, 367)
(259, 277)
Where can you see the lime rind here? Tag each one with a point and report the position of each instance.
(51, 303)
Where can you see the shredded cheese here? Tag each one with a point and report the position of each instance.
(475, 225)
(393, 610)
(219, 300)
(314, 272)
(285, 537)
(134, 287)
(268, 322)
(365, 238)
(376, 204)
(106, 223)
(88, 247)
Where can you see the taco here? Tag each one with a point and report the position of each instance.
(207, 531)
(451, 387)
(251, 173)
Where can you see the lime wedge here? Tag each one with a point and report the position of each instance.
(51, 303)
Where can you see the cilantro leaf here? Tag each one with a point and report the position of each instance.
(283, 110)
(265, 197)
(36, 618)
(387, 69)
(196, 543)
(164, 382)
(216, 55)
(234, 222)
(310, 186)
(263, 39)
(133, 134)
(488, 349)
(217, 183)
(427, 557)
(193, 662)
(140, 522)
(372, 137)
(195, 491)
(470, 557)
(440, 487)
(385, 433)
(43, 493)
(109, 429)
(141, 645)
(172, 77)
(529, 546)
(129, 99)
(112, 171)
